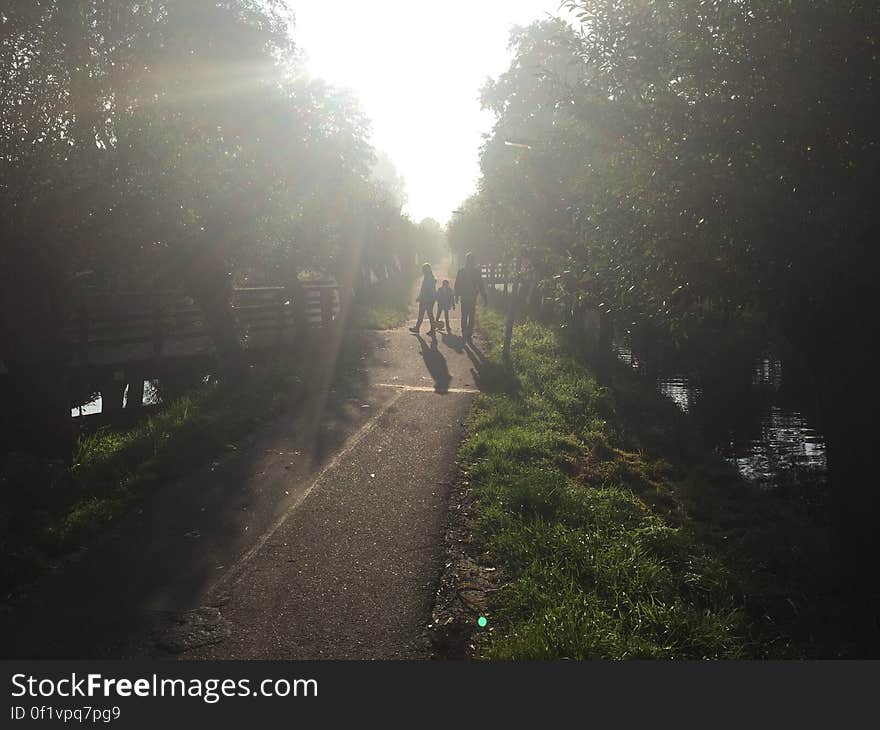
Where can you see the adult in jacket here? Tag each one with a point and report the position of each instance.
(469, 284)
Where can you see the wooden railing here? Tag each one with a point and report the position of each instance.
(496, 273)
(118, 327)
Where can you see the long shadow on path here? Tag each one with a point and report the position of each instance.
(155, 564)
(454, 342)
(436, 364)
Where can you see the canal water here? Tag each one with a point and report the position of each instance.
(759, 426)
(151, 397)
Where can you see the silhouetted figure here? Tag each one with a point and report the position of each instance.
(427, 295)
(445, 302)
(468, 284)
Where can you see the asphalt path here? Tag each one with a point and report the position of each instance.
(318, 537)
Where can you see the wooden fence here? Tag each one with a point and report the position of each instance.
(497, 273)
(108, 328)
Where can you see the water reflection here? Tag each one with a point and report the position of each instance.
(680, 391)
(94, 406)
(755, 428)
(789, 448)
(768, 372)
(87, 409)
(151, 393)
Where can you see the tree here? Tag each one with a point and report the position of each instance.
(709, 154)
(167, 146)
(471, 230)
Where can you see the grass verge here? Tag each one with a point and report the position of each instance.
(51, 508)
(618, 535)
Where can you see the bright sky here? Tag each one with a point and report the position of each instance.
(417, 68)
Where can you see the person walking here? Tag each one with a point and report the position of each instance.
(426, 298)
(445, 302)
(469, 283)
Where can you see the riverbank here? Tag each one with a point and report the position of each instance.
(52, 508)
(317, 507)
(597, 524)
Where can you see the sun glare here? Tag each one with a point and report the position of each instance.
(420, 87)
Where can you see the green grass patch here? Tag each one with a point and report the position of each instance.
(50, 508)
(620, 536)
(385, 305)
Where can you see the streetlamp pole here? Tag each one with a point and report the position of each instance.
(511, 307)
(511, 311)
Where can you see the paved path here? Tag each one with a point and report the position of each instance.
(321, 537)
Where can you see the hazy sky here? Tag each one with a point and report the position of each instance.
(417, 68)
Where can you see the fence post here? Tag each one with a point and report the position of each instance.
(511, 313)
(135, 391)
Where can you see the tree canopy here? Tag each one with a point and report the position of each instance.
(661, 160)
(158, 145)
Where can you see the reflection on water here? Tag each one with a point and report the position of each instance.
(151, 397)
(769, 441)
(625, 354)
(680, 391)
(87, 409)
(151, 393)
(788, 448)
(768, 372)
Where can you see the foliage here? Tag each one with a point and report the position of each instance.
(50, 507)
(158, 145)
(665, 162)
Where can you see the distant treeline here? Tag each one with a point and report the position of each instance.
(673, 162)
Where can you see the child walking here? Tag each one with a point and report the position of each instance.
(427, 295)
(445, 302)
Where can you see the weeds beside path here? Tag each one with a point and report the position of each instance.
(617, 535)
(337, 502)
(52, 508)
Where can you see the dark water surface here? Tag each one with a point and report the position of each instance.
(760, 426)
(94, 406)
